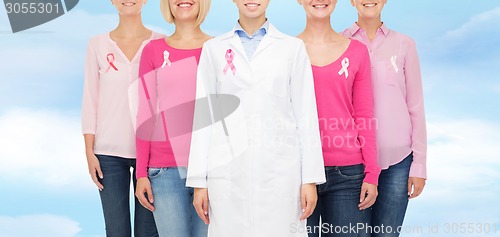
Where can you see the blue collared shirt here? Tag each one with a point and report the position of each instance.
(250, 43)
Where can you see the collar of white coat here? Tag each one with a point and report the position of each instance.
(272, 32)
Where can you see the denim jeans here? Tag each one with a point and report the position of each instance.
(115, 199)
(174, 211)
(338, 201)
(390, 208)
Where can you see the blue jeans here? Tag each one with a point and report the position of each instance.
(115, 199)
(390, 208)
(174, 211)
(338, 201)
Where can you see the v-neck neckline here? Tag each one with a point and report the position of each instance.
(120, 51)
(341, 57)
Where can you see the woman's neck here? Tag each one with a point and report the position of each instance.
(251, 25)
(318, 30)
(187, 35)
(187, 31)
(370, 26)
(130, 26)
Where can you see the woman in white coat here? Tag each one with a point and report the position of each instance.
(255, 170)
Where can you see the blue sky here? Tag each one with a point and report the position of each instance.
(43, 175)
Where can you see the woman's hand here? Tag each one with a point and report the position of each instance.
(308, 198)
(368, 196)
(200, 203)
(415, 187)
(95, 169)
(144, 186)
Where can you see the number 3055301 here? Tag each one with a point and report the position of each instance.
(32, 8)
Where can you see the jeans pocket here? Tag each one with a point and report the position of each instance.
(154, 172)
(352, 172)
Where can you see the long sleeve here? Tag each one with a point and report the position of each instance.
(303, 100)
(147, 110)
(415, 103)
(200, 140)
(90, 92)
(364, 117)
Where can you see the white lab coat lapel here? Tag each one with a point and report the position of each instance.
(271, 36)
(235, 42)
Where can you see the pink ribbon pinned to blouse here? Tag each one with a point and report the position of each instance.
(394, 60)
(229, 60)
(111, 59)
(345, 67)
(166, 60)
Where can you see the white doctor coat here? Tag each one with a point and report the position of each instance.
(255, 161)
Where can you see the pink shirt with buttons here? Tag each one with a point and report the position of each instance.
(398, 94)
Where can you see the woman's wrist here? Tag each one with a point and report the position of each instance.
(89, 152)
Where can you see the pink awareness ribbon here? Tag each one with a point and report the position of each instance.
(394, 60)
(229, 60)
(345, 67)
(111, 59)
(166, 60)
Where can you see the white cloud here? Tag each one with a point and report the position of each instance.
(462, 185)
(465, 153)
(460, 67)
(43, 148)
(486, 21)
(39, 226)
(474, 43)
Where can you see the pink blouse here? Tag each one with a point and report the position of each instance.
(399, 101)
(107, 104)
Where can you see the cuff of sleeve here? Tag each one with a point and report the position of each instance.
(196, 182)
(88, 125)
(141, 174)
(371, 178)
(314, 180)
(88, 131)
(418, 170)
